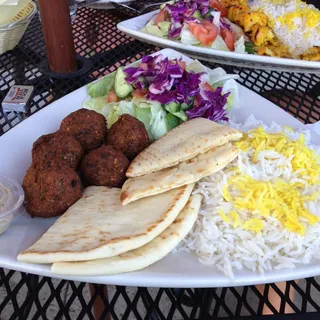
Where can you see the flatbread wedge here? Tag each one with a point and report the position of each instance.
(142, 257)
(98, 226)
(180, 144)
(186, 172)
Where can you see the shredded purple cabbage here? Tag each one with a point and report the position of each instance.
(167, 81)
(140, 85)
(204, 9)
(224, 25)
(173, 31)
(183, 10)
(211, 107)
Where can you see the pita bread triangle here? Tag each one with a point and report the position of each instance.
(182, 143)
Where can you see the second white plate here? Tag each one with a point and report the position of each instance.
(134, 25)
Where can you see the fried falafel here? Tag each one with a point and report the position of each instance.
(58, 146)
(105, 166)
(50, 192)
(87, 126)
(129, 136)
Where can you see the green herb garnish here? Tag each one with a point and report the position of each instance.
(250, 48)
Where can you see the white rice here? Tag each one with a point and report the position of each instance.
(219, 245)
(299, 39)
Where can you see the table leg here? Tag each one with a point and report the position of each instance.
(32, 283)
(275, 299)
(98, 304)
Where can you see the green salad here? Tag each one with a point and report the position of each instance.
(162, 93)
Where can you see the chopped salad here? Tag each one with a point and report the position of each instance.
(163, 93)
(200, 23)
(275, 28)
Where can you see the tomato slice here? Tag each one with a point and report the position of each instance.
(205, 31)
(207, 87)
(139, 93)
(182, 65)
(112, 97)
(216, 4)
(228, 38)
(160, 17)
(143, 66)
(197, 100)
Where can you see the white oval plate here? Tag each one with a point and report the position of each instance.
(105, 4)
(180, 270)
(134, 25)
(116, 1)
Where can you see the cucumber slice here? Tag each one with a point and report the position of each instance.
(172, 121)
(181, 115)
(164, 26)
(121, 86)
(164, 4)
(172, 107)
(208, 14)
(185, 106)
(197, 14)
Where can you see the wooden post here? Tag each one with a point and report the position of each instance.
(56, 25)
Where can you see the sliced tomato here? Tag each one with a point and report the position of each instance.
(205, 31)
(228, 38)
(197, 100)
(216, 4)
(112, 97)
(207, 87)
(143, 66)
(160, 17)
(182, 65)
(139, 93)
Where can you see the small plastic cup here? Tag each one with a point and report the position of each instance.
(11, 201)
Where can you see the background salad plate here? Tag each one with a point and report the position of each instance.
(134, 25)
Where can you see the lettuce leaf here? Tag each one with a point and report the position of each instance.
(158, 122)
(153, 116)
(187, 37)
(145, 116)
(113, 116)
(159, 31)
(101, 87)
(96, 104)
(233, 99)
(127, 107)
(219, 44)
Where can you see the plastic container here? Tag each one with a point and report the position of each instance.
(11, 201)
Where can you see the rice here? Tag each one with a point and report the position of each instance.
(220, 245)
(295, 23)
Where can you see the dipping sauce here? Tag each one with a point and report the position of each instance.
(11, 201)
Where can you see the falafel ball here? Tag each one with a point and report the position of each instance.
(58, 146)
(87, 126)
(105, 166)
(129, 136)
(50, 192)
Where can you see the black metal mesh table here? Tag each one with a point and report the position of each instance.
(25, 296)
